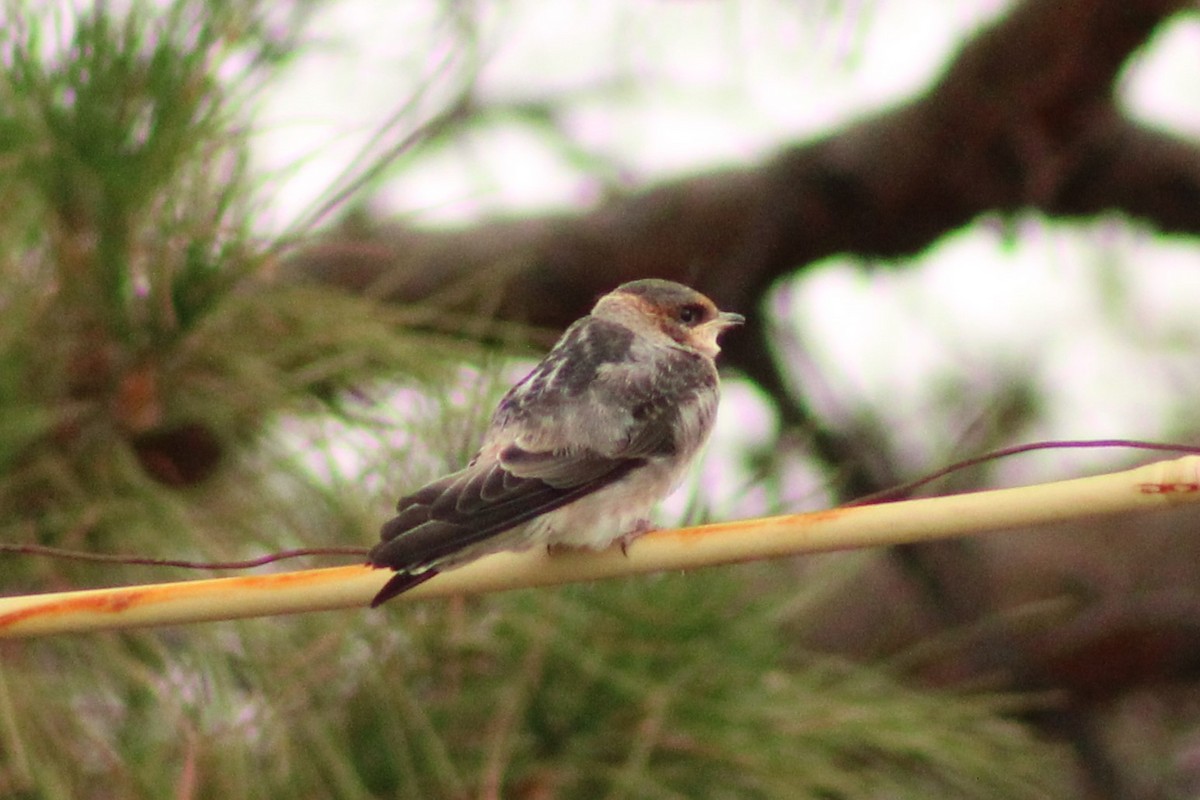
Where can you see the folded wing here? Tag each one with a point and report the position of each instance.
(481, 501)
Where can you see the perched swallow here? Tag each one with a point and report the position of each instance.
(582, 447)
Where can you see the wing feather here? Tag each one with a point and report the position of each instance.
(481, 501)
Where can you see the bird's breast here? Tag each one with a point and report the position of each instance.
(599, 519)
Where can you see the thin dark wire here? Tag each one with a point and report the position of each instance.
(906, 489)
(116, 558)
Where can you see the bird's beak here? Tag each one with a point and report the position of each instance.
(704, 338)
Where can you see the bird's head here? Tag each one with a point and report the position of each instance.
(658, 307)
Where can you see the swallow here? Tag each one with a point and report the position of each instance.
(579, 451)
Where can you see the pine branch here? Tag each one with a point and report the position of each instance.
(1158, 485)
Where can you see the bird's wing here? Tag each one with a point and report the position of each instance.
(488, 498)
(481, 501)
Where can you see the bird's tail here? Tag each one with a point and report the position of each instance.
(401, 582)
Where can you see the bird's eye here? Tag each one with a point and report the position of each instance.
(691, 314)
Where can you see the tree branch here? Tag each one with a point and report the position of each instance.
(1022, 118)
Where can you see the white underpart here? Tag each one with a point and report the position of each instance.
(598, 520)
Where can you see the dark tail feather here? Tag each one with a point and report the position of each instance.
(401, 582)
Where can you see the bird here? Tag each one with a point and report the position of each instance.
(579, 451)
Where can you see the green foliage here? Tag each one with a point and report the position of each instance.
(105, 131)
(159, 395)
(675, 687)
(143, 348)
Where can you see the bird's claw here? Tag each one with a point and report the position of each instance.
(641, 527)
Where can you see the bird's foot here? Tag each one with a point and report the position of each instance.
(641, 527)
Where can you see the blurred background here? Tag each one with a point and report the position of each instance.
(269, 266)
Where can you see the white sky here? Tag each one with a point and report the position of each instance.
(1105, 315)
(662, 87)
